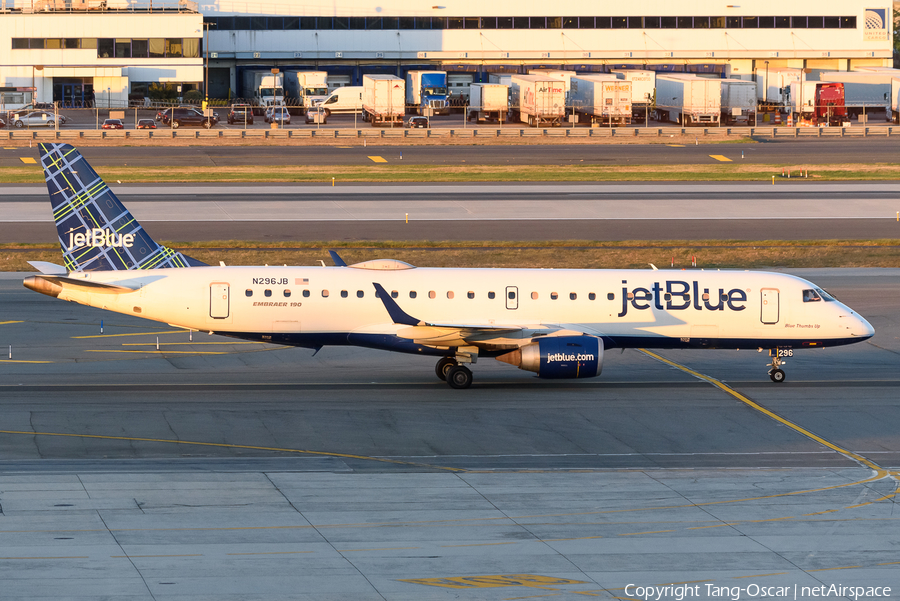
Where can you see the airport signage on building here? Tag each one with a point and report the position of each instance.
(876, 25)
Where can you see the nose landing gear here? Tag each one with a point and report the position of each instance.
(776, 374)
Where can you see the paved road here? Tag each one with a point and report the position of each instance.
(377, 404)
(786, 151)
(789, 210)
(214, 469)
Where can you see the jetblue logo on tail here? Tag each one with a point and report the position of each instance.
(100, 238)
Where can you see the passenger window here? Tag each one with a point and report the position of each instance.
(470, 294)
(554, 296)
(705, 296)
(811, 296)
(412, 294)
(394, 294)
(432, 294)
(724, 297)
(325, 294)
(268, 292)
(360, 294)
(511, 295)
(306, 294)
(667, 296)
(592, 296)
(287, 293)
(631, 296)
(450, 294)
(534, 296)
(249, 292)
(343, 294)
(491, 295)
(572, 296)
(610, 296)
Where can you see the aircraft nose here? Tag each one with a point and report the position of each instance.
(862, 328)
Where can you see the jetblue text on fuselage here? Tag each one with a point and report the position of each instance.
(676, 295)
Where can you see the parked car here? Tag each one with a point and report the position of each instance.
(278, 114)
(37, 119)
(240, 113)
(2, 123)
(188, 116)
(317, 114)
(417, 122)
(146, 124)
(113, 124)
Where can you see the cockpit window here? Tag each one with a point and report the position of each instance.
(811, 296)
(826, 296)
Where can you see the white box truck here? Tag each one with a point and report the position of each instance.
(488, 101)
(687, 99)
(384, 99)
(537, 100)
(773, 86)
(500, 78)
(306, 88)
(864, 91)
(738, 102)
(643, 90)
(262, 88)
(895, 100)
(601, 99)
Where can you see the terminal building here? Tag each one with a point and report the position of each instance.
(60, 49)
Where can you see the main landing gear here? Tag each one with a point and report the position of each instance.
(457, 376)
(777, 374)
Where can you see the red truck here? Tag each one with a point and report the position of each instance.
(820, 102)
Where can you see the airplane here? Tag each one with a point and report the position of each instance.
(556, 323)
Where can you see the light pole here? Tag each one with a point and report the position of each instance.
(206, 56)
(766, 87)
(108, 98)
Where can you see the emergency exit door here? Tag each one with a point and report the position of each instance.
(219, 306)
(770, 308)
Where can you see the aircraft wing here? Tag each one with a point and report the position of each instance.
(457, 334)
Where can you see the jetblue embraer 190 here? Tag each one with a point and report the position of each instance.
(556, 323)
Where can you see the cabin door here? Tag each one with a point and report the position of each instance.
(512, 297)
(219, 306)
(770, 309)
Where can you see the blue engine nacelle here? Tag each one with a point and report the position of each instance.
(562, 357)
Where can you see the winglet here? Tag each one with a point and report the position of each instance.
(338, 261)
(397, 314)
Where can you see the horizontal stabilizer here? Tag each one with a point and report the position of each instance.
(52, 285)
(48, 268)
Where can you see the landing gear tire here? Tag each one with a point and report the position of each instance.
(443, 367)
(777, 375)
(459, 377)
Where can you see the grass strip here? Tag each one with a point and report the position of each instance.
(634, 254)
(471, 173)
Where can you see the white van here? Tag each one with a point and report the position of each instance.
(344, 100)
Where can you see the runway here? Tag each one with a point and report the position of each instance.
(214, 469)
(608, 212)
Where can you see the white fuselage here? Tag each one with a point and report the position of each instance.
(324, 305)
